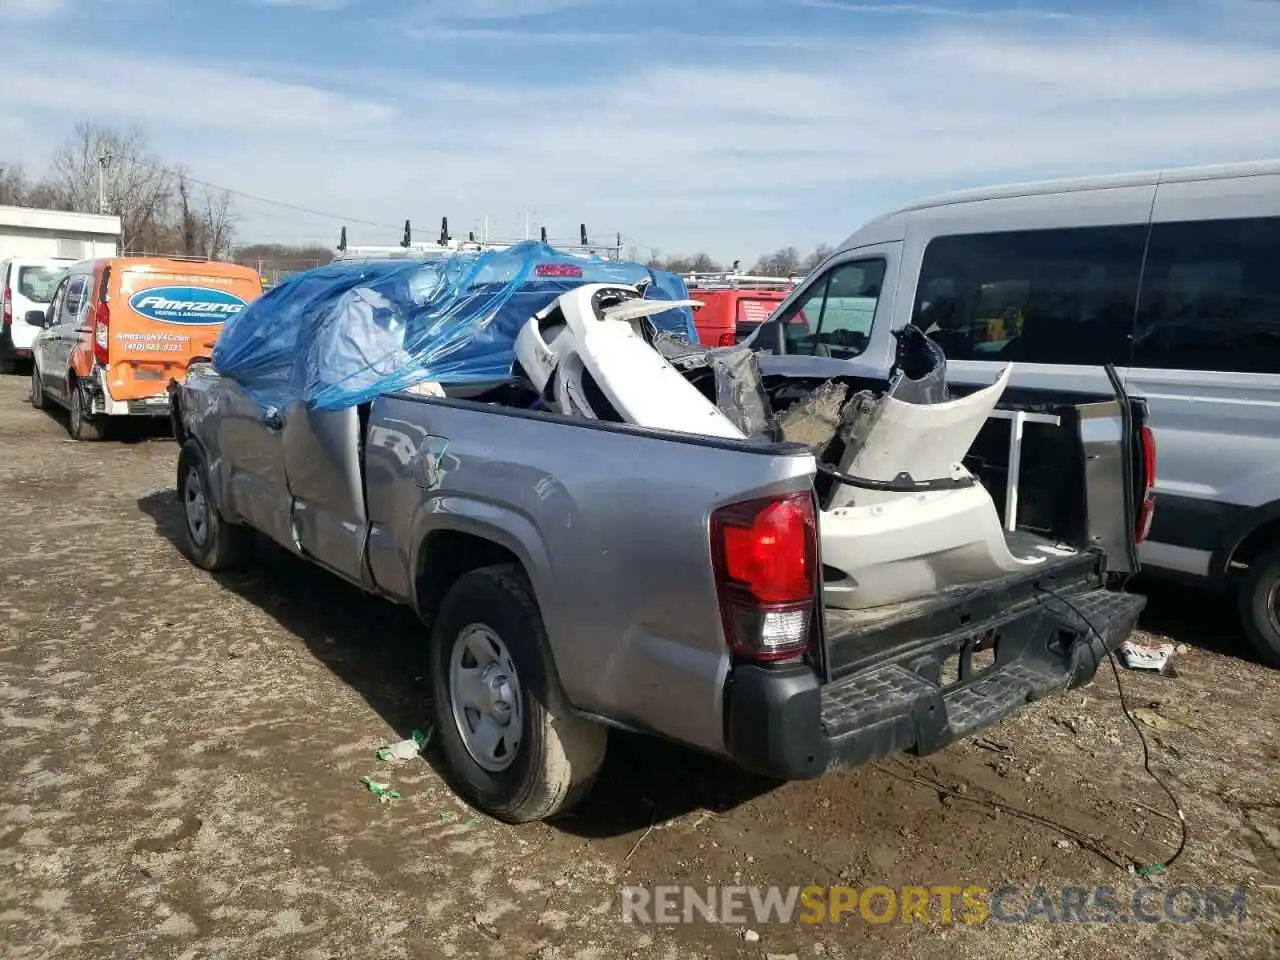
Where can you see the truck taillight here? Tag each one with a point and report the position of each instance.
(728, 339)
(765, 556)
(1149, 485)
(8, 308)
(101, 333)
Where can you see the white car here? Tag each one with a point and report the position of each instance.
(26, 284)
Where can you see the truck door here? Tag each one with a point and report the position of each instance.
(44, 347)
(322, 467)
(249, 438)
(64, 335)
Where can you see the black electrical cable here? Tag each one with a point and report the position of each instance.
(1142, 870)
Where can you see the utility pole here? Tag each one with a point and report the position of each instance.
(103, 160)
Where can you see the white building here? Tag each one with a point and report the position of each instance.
(28, 232)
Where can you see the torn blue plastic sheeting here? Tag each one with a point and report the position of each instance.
(342, 334)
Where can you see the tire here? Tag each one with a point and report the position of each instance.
(80, 423)
(38, 398)
(1259, 600)
(213, 543)
(8, 363)
(552, 755)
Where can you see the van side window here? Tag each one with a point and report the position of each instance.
(74, 300)
(54, 311)
(1211, 297)
(1033, 296)
(834, 317)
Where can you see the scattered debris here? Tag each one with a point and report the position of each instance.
(1063, 844)
(750, 936)
(1145, 656)
(382, 791)
(406, 749)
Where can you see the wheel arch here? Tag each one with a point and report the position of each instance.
(1246, 539)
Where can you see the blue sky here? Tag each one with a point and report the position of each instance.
(729, 126)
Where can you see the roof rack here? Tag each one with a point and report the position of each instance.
(737, 281)
(446, 245)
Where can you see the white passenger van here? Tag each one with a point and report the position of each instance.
(1173, 277)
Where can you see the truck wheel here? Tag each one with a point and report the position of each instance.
(38, 399)
(515, 748)
(81, 424)
(1260, 605)
(207, 539)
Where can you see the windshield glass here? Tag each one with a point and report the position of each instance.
(37, 283)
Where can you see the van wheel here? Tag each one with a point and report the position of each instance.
(38, 399)
(1259, 600)
(208, 540)
(515, 748)
(81, 424)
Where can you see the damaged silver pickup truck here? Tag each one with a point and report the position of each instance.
(578, 575)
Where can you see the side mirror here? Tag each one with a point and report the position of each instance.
(34, 318)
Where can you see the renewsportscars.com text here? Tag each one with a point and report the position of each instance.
(939, 903)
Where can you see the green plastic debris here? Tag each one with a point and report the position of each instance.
(474, 822)
(406, 749)
(382, 791)
(446, 818)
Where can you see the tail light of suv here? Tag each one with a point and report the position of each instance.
(1148, 507)
(766, 559)
(101, 333)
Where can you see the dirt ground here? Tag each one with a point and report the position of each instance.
(181, 760)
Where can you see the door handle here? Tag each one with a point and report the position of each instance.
(271, 419)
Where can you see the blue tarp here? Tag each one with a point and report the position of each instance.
(341, 334)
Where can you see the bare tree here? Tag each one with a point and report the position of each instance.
(136, 184)
(697, 263)
(13, 186)
(218, 223)
(812, 261)
(188, 222)
(780, 263)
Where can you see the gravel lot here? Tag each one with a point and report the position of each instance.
(181, 760)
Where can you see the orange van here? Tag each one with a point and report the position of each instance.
(118, 330)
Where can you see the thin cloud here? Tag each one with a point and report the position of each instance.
(935, 10)
(33, 9)
(686, 152)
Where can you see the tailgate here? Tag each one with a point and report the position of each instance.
(161, 322)
(920, 675)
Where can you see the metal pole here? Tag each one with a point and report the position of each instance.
(103, 159)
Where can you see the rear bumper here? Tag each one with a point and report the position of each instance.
(156, 405)
(784, 723)
(10, 348)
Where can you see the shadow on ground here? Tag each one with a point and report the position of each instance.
(121, 429)
(380, 650)
(1198, 618)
